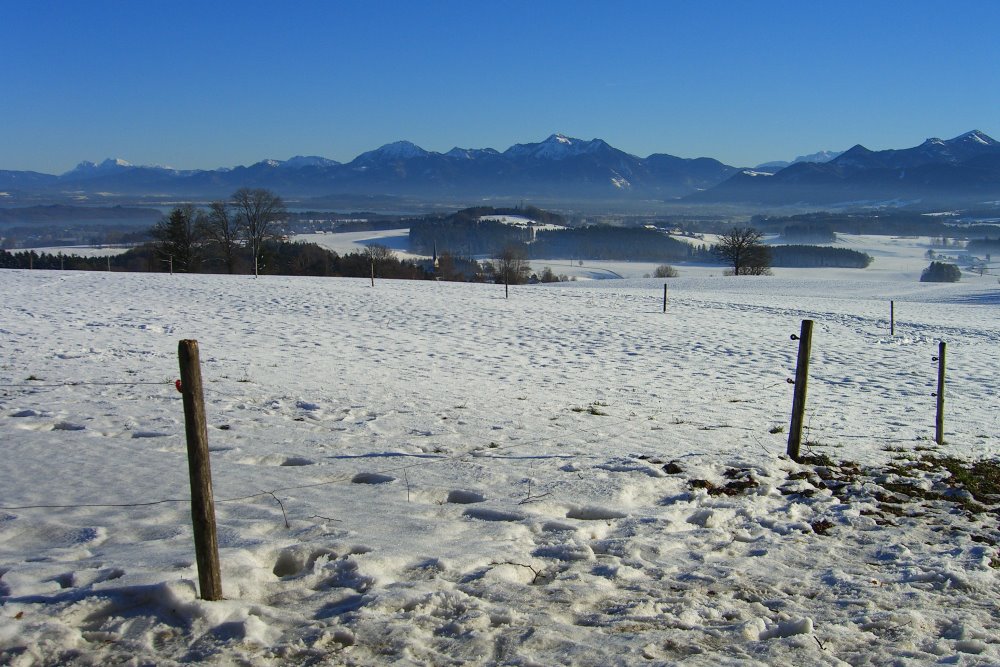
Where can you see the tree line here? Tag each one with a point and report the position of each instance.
(819, 257)
(464, 235)
(881, 222)
(245, 234)
(984, 245)
(471, 232)
(278, 258)
(612, 243)
(232, 233)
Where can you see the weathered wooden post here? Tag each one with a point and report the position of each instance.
(506, 286)
(939, 417)
(373, 271)
(206, 545)
(664, 297)
(892, 318)
(801, 382)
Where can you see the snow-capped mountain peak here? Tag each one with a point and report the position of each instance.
(470, 153)
(557, 147)
(297, 162)
(961, 148)
(88, 168)
(398, 150)
(976, 137)
(970, 140)
(401, 150)
(300, 161)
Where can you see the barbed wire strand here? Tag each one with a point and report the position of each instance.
(76, 384)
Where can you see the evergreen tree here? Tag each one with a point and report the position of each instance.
(178, 238)
(941, 272)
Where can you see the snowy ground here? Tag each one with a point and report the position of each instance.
(520, 221)
(567, 476)
(347, 242)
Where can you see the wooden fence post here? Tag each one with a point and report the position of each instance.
(939, 417)
(801, 382)
(892, 318)
(664, 297)
(206, 545)
(506, 286)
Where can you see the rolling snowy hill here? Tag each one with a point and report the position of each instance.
(567, 476)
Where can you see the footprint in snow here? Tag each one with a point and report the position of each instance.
(484, 514)
(68, 426)
(460, 497)
(570, 551)
(294, 461)
(594, 513)
(372, 478)
(88, 577)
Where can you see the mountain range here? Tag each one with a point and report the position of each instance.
(821, 156)
(965, 169)
(560, 167)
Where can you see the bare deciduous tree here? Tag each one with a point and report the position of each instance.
(220, 229)
(742, 248)
(376, 254)
(512, 265)
(256, 210)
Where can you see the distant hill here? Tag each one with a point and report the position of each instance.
(960, 170)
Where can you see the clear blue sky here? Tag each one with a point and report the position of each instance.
(210, 84)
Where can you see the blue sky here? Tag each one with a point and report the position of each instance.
(210, 84)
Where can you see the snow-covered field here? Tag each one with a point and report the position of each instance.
(567, 476)
(520, 221)
(347, 242)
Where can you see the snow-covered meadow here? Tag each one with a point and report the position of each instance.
(567, 476)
